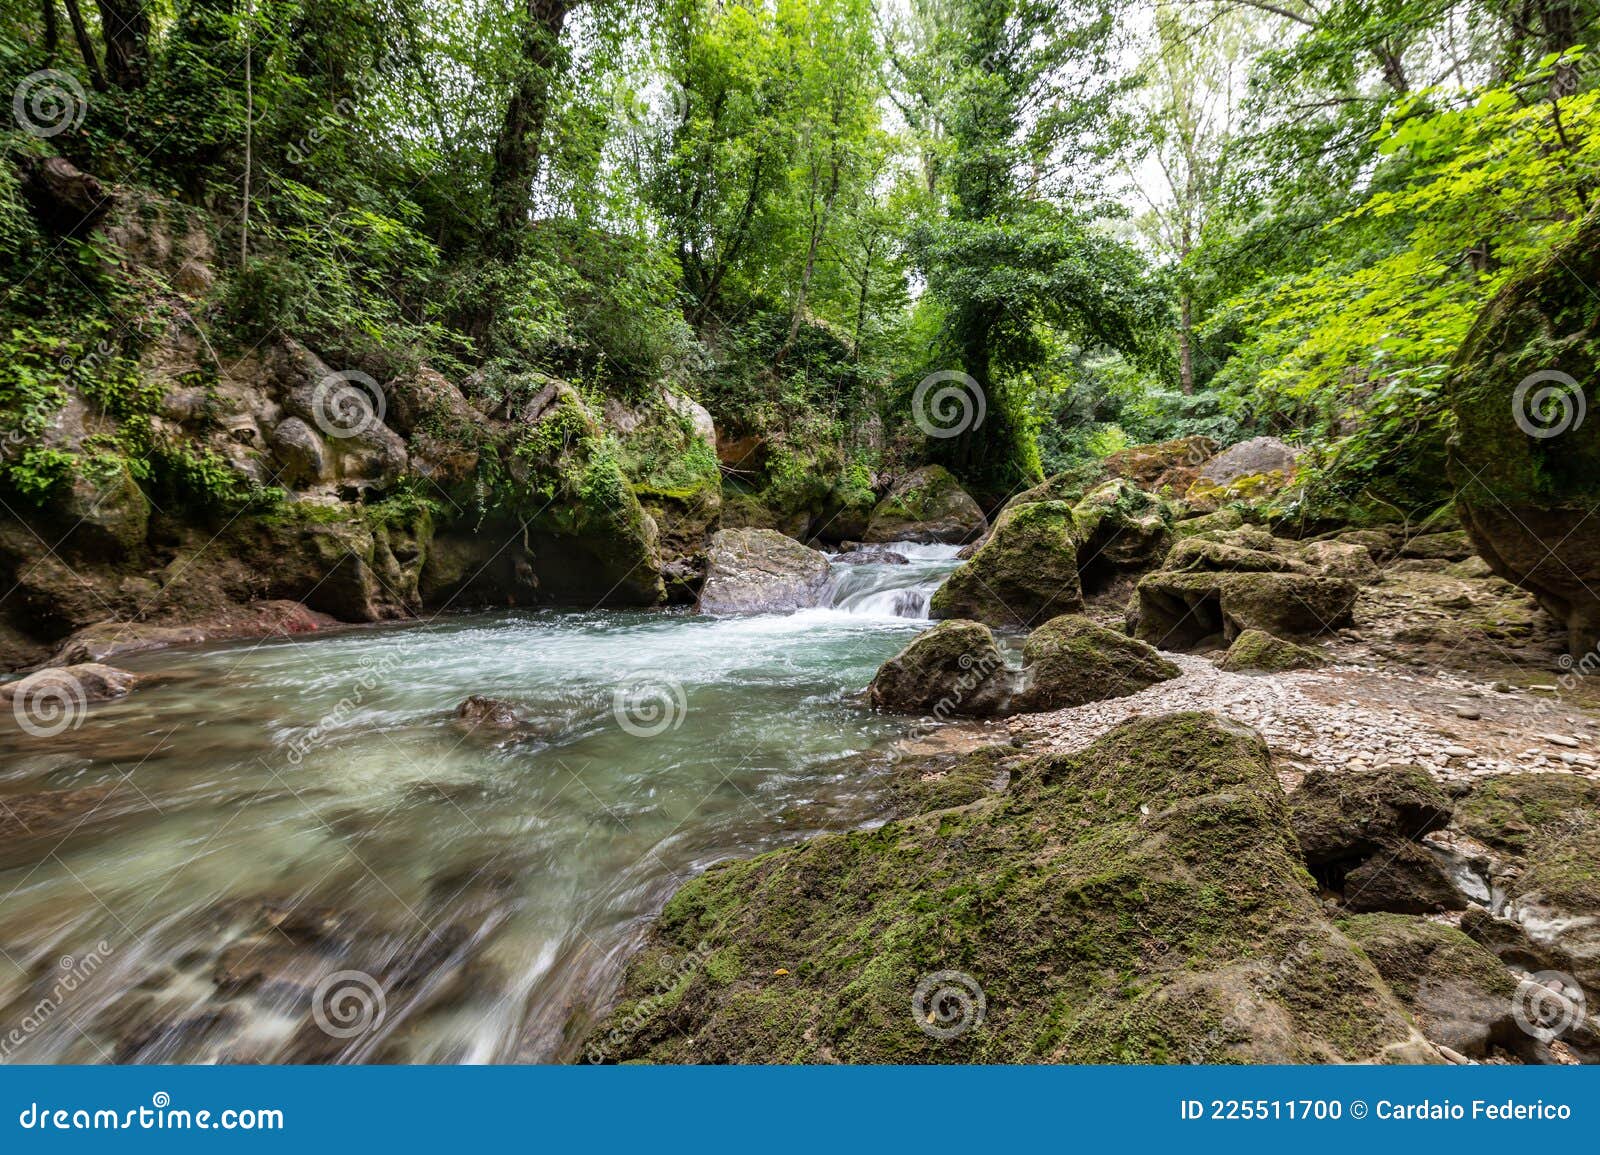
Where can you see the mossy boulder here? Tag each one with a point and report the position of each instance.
(1256, 651)
(1166, 467)
(1525, 463)
(1402, 877)
(1181, 610)
(1350, 815)
(1222, 519)
(1460, 994)
(1069, 486)
(1121, 529)
(926, 505)
(758, 571)
(1550, 825)
(953, 669)
(1251, 471)
(1026, 573)
(1071, 660)
(1141, 901)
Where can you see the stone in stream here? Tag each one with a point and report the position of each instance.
(927, 505)
(1160, 857)
(953, 669)
(53, 697)
(1025, 574)
(760, 571)
(1071, 660)
(488, 712)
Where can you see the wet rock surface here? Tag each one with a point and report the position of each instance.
(761, 571)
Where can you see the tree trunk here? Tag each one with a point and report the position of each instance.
(52, 30)
(1186, 343)
(517, 147)
(85, 47)
(125, 28)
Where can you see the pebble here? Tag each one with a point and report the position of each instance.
(1561, 740)
(1468, 713)
(1457, 752)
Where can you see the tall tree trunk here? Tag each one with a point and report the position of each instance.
(1186, 342)
(125, 28)
(52, 30)
(517, 148)
(80, 33)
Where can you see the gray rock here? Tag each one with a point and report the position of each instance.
(1248, 458)
(754, 571)
(299, 452)
(953, 669)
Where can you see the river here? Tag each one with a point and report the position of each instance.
(293, 851)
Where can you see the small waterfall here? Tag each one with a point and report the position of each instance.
(882, 590)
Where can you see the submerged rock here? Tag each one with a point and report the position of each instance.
(954, 668)
(1026, 573)
(927, 505)
(1071, 660)
(757, 571)
(1141, 901)
(55, 695)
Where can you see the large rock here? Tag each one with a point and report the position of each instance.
(1141, 901)
(758, 571)
(1525, 462)
(1071, 660)
(926, 505)
(1249, 471)
(1164, 467)
(1255, 651)
(1121, 529)
(954, 668)
(1181, 610)
(1460, 994)
(1548, 827)
(299, 452)
(1346, 815)
(65, 688)
(1025, 574)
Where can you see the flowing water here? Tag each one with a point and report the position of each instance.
(293, 851)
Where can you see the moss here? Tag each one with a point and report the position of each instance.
(1223, 519)
(1099, 904)
(1260, 652)
(1025, 573)
(1071, 660)
(1523, 813)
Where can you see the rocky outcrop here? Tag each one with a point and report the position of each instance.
(1525, 462)
(757, 571)
(926, 505)
(1214, 586)
(953, 669)
(1026, 573)
(1162, 855)
(1071, 660)
(1258, 652)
